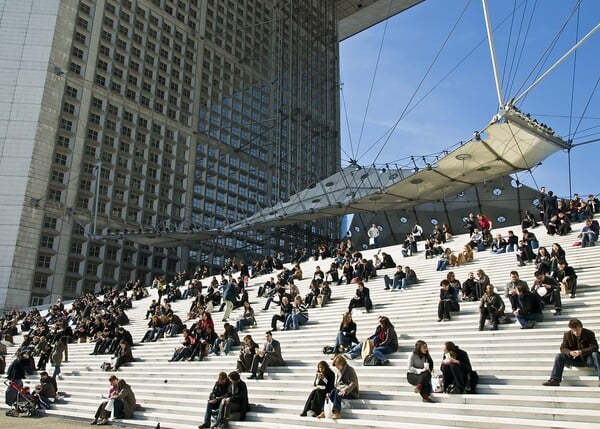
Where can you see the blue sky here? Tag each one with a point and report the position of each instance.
(466, 100)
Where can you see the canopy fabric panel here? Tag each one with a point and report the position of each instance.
(510, 143)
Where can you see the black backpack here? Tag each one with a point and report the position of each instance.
(371, 360)
(327, 350)
(472, 382)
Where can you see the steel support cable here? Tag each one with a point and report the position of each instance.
(587, 105)
(512, 79)
(471, 52)
(434, 87)
(529, 168)
(362, 128)
(347, 124)
(544, 56)
(512, 20)
(422, 81)
(572, 102)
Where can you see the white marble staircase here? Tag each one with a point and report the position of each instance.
(512, 363)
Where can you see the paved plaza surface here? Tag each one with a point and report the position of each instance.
(43, 422)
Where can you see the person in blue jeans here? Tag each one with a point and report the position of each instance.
(396, 282)
(219, 392)
(298, 316)
(346, 386)
(410, 277)
(529, 307)
(385, 341)
(579, 347)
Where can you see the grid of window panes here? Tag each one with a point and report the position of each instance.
(262, 138)
(136, 131)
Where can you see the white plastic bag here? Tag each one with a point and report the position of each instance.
(110, 405)
(438, 384)
(328, 408)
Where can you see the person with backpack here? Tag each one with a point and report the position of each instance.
(456, 369)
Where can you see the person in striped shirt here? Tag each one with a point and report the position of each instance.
(299, 315)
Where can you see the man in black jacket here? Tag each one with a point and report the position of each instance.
(235, 400)
(219, 392)
(578, 348)
(285, 310)
(361, 298)
(566, 276)
(529, 309)
(549, 290)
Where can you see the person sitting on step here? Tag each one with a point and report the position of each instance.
(361, 298)
(530, 306)
(346, 386)
(420, 366)
(456, 368)
(236, 399)
(566, 276)
(219, 392)
(549, 291)
(270, 355)
(396, 281)
(579, 347)
(448, 301)
(246, 356)
(491, 307)
(323, 384)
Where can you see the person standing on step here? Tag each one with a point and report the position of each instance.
(579, 347)
(229, 295)
(373, 234)
(270, 355)
(420, 365)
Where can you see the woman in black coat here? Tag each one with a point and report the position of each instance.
(456, 368)
(346, 335)
(323, 384)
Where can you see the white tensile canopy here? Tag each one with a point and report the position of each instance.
(510, 143)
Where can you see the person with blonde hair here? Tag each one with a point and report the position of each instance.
(346, 386)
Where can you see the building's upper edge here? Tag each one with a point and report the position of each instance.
(355, 16)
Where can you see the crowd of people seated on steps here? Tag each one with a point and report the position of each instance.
(89, 319)
(553, 274)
